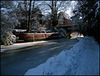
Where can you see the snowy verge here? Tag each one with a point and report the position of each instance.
(81, 59)
(22, 45)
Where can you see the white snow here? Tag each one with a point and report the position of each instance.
(21, 45)
(75, 35)
(97, 9)
(20, 30)
(81, 59)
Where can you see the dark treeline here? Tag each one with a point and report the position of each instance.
(89, 10)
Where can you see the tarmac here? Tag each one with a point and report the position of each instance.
(18, 58)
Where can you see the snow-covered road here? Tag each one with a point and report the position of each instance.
(82, 59)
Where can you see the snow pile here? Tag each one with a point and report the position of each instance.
(74, 35)
(82, 59)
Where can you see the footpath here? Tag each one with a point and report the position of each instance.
(21, 45)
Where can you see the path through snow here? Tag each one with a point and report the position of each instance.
(82, 59)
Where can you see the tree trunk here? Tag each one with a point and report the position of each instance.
(25, 2)
(28, 28)
(54, 14)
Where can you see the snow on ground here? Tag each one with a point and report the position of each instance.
(74, 35)
(81, 59)
(20, 45)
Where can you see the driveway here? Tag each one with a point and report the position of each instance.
(17, 62)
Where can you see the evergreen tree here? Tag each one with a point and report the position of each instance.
(90, 12)
(8, 21)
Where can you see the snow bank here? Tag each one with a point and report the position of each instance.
(82, 59)
(74, 35)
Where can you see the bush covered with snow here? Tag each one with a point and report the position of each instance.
(8, 22)
(62, 32)
(8, 38)
(82, 59)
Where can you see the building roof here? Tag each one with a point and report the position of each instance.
(64, 25)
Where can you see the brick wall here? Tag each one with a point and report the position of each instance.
(32, 36)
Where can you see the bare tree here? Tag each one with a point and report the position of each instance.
(28, 13)
(55, 7)
(29, 16)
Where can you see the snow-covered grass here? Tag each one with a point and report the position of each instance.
(81, 59)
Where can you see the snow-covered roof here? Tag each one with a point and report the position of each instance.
(46, 17)
(20, 30)
(61, 19)
(64, 25)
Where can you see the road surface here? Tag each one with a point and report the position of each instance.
(17, 62)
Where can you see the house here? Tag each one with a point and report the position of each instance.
(76, 20)
(65, 23)
(47, 21)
